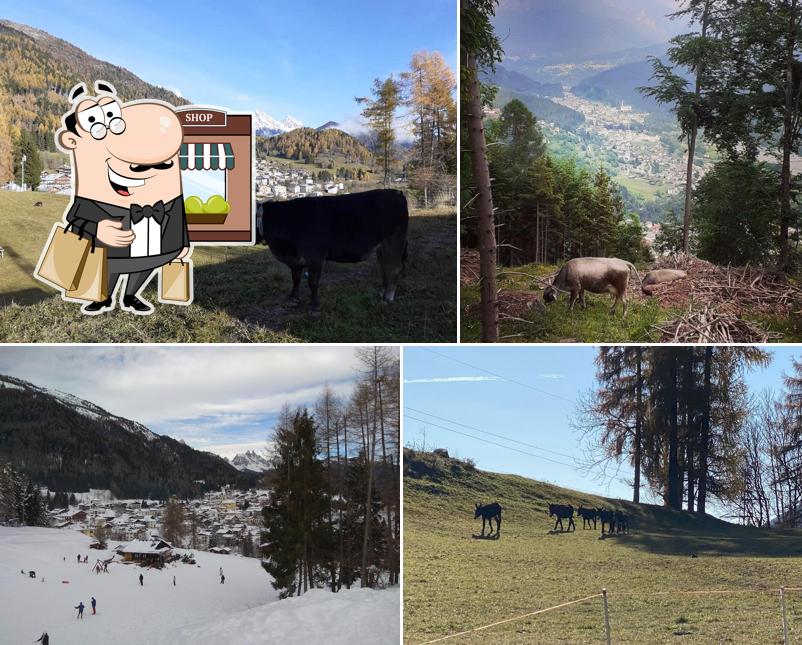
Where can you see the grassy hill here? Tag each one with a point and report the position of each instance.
(330, 146)
(453, 582)
(543, 108)
(240, 292)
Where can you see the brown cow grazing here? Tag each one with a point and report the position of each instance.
(597, 275)
(660, 276)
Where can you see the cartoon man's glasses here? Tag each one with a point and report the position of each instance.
(100, 130)
(101, 118)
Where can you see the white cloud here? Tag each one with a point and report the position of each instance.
(453, 379)
(551, 376)
(354, 125)
(185, 385)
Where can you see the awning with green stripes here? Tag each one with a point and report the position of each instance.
(206, 156)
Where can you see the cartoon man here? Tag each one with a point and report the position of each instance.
(128, 193)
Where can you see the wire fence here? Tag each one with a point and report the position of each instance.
(608, 637)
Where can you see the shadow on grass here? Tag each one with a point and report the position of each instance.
(738, 541)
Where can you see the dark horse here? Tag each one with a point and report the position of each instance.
(488, 513)
(562, 511)
(588, 515)
(607, 517)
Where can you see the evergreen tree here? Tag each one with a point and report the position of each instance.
(296, 528)
(736, 213)
(380, 114)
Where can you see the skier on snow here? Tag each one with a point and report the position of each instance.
(80, 608)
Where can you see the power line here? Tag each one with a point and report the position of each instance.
(500, 436)
(497, 375)
(493, 443)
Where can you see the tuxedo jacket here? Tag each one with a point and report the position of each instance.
(87, 213)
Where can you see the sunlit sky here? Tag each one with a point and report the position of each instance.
(306, 59)
(448, 382)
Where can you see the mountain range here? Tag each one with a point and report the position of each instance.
(70, 444)
(37, 70)
(250, 461)
(267, 126)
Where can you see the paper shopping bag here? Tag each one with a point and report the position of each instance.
(93, 282)
(64, 257)
(176, 281)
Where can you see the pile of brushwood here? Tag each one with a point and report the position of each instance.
(716, 298)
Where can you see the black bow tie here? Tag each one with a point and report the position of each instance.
(140, 212)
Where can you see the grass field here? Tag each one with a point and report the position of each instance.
(240, 292)
(454, 583)
(556, 323)
(640, 186)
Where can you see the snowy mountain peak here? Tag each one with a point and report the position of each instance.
(291, 123)
(267, 126)
(250, 460)
(81, 406)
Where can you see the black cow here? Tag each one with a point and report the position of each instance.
(305, 233)
(488, 513)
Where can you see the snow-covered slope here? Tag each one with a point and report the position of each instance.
(127, 614)
(267, 126)
(81, 406)
(198, 609)
(250, 460)
(349, 617)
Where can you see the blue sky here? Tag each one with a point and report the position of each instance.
(538, 412)
(224, 399)
(307, 59)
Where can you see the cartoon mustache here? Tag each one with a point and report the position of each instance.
(164, 165)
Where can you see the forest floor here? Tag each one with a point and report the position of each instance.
(713, 304)
(240, 292)
(454, 583)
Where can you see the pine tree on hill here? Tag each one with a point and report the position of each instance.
(296, 530)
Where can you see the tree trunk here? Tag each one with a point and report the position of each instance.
(686, 219)
(704, 439)
(638, 424)
(674, 500)
(789, 117)
(484, 209)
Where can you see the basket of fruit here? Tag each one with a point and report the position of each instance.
(214, 211)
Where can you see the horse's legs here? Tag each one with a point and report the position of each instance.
(483, 525)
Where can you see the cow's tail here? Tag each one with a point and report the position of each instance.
(637, 275)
